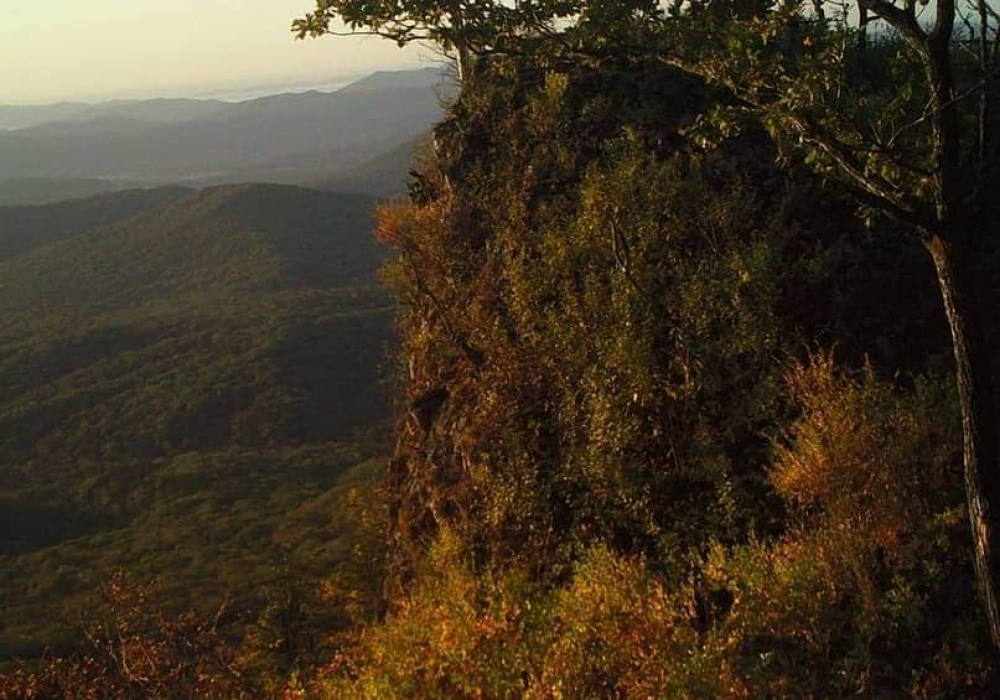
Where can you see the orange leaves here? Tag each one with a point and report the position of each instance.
(402, 225)
(394, 222)
(142, 653)
(617, 633)
(865, 461)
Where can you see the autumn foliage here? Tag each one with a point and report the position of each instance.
(673, 423)
(630, 462)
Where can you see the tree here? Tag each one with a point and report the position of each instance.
(893, 122)
(469, 28)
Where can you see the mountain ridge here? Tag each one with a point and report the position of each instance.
(348, 126)
(24, 227)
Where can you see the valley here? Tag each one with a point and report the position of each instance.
(190, 381)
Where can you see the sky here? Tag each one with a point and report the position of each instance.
(67, 50)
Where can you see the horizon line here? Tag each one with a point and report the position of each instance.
(218, 91)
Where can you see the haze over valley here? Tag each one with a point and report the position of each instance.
(48, 152)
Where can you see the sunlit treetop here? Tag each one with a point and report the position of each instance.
(466, 28)
(471, 28)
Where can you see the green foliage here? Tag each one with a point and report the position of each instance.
(190, 395)
(859, 116)
(476, 27)
(619, 475)
(25, 228)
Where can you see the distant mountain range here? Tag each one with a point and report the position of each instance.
(290, 138)
(184, 376)
(16, 117)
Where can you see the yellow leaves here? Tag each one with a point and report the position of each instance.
(865, 468)
(399, 224)
(556, 85)
(455, 635)
(617, 631)
(394, 221)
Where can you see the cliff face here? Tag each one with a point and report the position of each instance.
(624, 467)
(594, 312)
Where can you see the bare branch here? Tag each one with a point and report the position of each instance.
(902, 20)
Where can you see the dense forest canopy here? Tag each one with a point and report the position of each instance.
(696, 371)
(192, 385)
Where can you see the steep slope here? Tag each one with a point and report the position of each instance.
(433, 77)
(234, 333)
(630, 469)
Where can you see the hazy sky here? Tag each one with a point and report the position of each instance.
(53, 50)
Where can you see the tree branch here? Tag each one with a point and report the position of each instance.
(872, 189)
(902, 20)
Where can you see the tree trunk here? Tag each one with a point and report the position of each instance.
(953, 260)
(464, 62)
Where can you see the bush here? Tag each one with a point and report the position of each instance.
(454, 636)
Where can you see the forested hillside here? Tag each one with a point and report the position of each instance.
(684, 421)
(691, 431)
(184, 376)
(26, 227)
